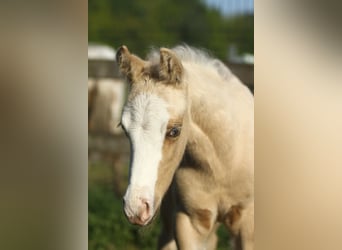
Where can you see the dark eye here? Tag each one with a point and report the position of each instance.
(123, 128)
(173, 132)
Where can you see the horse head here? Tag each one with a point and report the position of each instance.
(155, 118)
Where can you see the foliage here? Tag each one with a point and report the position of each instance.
(142, 24)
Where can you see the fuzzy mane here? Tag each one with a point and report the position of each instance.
(192, 55)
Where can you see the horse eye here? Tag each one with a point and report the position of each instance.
(123, 128)
(173, 132)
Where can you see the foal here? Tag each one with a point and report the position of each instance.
(190, 122)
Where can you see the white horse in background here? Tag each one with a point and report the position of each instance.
(106, 97)
(190, 122)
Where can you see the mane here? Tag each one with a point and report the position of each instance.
(197, 56)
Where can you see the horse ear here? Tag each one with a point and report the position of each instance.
(171, 68)
(130, 65)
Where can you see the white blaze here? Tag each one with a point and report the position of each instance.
(145, 119)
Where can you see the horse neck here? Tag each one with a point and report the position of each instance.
(221, 118)
(206, 133)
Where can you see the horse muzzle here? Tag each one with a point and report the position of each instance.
(138, 209)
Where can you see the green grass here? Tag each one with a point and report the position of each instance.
(108, 229)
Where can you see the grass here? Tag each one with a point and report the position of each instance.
(108, 229)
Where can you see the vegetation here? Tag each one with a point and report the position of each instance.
(142, 24)
(108, 227)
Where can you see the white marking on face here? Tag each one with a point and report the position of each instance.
(145, 119)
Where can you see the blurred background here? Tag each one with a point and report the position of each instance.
(224, 28)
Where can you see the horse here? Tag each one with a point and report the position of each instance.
(105, 101)
(190, 123)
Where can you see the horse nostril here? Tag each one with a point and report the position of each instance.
(147, 205)
(145, 211)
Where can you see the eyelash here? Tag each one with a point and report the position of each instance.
(123, 128)
(120, 125)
